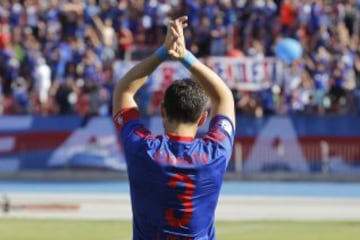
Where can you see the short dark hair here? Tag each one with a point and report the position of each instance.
(184, 101)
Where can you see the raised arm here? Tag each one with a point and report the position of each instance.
(133, 80)
(98, 23)
(222, 101)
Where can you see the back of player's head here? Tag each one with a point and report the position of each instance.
(184, 101)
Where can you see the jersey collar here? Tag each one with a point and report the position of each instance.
(178, 138)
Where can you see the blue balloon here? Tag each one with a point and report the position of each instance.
(288, 50)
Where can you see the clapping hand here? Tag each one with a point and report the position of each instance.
(174, 40)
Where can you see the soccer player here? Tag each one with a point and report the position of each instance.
(175, 178)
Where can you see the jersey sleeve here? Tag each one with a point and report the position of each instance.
(221, 133)
(124, 116)
(132, 131)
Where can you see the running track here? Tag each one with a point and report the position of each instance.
(238, 201)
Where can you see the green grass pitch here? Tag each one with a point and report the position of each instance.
(20, 229)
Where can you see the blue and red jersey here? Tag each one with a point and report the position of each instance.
(174, 181)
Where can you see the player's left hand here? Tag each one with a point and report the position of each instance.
(175, 41)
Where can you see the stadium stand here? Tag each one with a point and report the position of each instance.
(56, 56)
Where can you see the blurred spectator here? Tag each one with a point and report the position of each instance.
(162, 18)
(66, 96)
(321, 78)
(218, 37)
(91, 10)
(287, 16)
(256, 50)
(125, 43)
(108, 36)
(268, 98)
(247, 103)
(291, 80)
(204, 37)
(357, 89)
(42, 84)
(21, 97)
(1, 99)
(92, 100)
(302, 96)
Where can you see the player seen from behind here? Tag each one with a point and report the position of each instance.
(175, 178)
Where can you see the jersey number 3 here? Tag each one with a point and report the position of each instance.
(184, 198)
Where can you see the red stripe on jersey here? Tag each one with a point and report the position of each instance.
(144, 133)
(125, 115)
(178, 138)
(215, 136)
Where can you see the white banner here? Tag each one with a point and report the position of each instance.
(247, 74)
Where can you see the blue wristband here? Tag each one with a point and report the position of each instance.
(189, 59)
(162, 53)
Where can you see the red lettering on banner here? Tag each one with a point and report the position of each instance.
(244, 72)
(168, 73)
(185, 199)
(233, 71)
(238, 72)
(209, 63)
(221, 70)
(266, 74)
(230, 76)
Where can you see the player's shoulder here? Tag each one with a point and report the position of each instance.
(220, 129)
(223, 122)
(125, 116)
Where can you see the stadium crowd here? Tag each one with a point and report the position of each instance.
(57, 56)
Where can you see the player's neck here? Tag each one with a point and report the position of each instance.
(181, 129)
